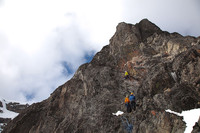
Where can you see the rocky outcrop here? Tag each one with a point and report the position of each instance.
(4, 120)
(196, 127)
(16, 107)
(164, 74)
(1, 105)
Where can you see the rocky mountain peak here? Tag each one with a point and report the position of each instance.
(128, 37)
(163, 74)
(147, 28)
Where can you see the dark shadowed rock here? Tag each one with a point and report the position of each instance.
(1, 105)
(164, 74)
(4, 120)
(196, 127)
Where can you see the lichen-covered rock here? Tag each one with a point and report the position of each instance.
(164, 74)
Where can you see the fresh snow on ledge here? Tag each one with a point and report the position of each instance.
(6, 113)
(190, 117)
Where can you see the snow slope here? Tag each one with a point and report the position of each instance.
(190, 117)
(6, 113)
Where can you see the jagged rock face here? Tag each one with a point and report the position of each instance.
(164, 70)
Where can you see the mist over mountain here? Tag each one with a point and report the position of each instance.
(164, 74)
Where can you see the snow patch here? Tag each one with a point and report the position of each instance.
(6, 113)
(174, 76)
(190, 117)
(118, 113)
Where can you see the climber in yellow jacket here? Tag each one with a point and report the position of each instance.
(126, 75)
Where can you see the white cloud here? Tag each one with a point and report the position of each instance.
(37, 36)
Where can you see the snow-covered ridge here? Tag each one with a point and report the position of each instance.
(6, 113)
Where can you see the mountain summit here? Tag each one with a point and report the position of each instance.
(163, 74)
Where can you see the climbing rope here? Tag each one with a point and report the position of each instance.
(128, 127)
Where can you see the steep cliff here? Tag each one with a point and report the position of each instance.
(164, 74)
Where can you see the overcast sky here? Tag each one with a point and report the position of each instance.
(43, 42)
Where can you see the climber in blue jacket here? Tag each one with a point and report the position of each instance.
(132, 101)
